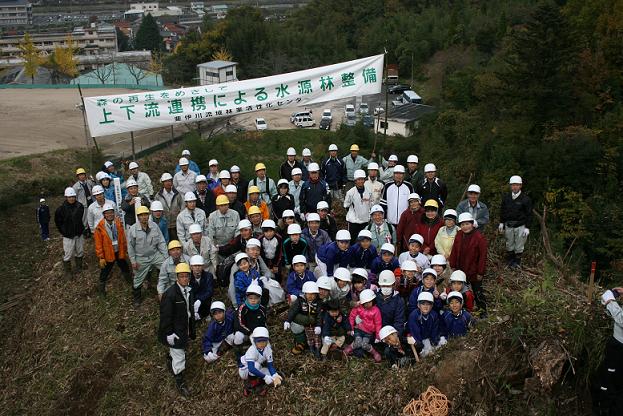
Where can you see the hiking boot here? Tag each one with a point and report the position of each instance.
(181, 385)
(348, 350)
(298, 349)
(316, 352)
(517, 264)
(78, 264)
(67, 268)
(136, 296)
(375, 354)
(510, 259)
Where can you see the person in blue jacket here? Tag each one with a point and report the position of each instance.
(363, 251)
(333, 255)
(391, 304)
(384, 261)
(457, 321)
(425, 327)
(219, 337)
(244, 277)
(107, 183)
(297, 277)
(202, 285)
(157, 211)
(192, 165)
(429, 277)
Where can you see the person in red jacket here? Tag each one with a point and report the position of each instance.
(429, 226)
(408, 222)
(469, 254)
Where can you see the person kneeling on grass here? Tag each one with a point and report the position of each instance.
(219, 337)
(257, 369)
(425, 328)
(393, 351)
(304, 320)
(457, 321)
(335, 326)
(366, 321)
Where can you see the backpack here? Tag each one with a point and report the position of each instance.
(223, 270)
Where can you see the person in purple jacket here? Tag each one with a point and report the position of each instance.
(219, 337)
(333, 255)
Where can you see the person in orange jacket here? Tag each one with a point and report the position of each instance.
(255, 200)
(110, 247)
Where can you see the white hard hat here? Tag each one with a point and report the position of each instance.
(260, 332)
(359, 174)
(386, 278)
(458, 276)
(373, 166)
(108, 164)
(413, 196)
(364, 234)
(190, 196)
(474, 188)
(201, 178)
(466, 217)
(408, 265)
(313, 167)
(299, 258)
(96, 190)
(376, 208)
(342, 235)
(69, 191)
(392, 158)
(342, 273)
(360, 271)
(438, 260)
(429, 271)
(425, 297)
(313, 216)
(42, 200)
(388, 247)
(297, 171)
(399, 169)
(281, 182)
(324, 282)
(234, 169)
(294, 229)
(183, 161)
(239, 257)
(217, 304)
(133, 165)
(291, 151)
(366, 296)
(197, 260)
(224, 174)
(213, 162)
(185, 152)
(306, 152)
(101, 175)
(322, 205)
(231, 189)
(244, 224)
(455, 295)
(268, 224)
(252, 288)
(156, 206)
(430, 167)
(449, 213)
(332, 147)
(107, 207)
(253, 242)
(413, 159)
(515, 179)
(130, 182)
(194, 229)
(416, 238)
(386, 331)
(310, 287)
(166, 176)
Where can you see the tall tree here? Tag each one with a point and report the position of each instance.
(155, 65)
(32, 57)
(137, 73)
(123, 42)
(62, 61)
(148, 35)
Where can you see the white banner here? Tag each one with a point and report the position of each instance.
(113, 114)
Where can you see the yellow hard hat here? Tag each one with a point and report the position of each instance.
(222, 200)
(80, 170)
(354, 147)
(254, 190)
(174, 244)
(254, 210)
(181, 267)
(431, 203)
(142, 210)
(259, 166)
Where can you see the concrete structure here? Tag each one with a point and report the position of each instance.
(403, 120)
(15, 13)
(216, 72)
(119, 74)
(145, 7)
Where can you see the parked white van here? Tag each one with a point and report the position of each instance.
(304, 121)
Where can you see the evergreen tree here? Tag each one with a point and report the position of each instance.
(148, 35)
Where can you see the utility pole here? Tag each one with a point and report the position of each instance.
(386, 99)
(133, 149)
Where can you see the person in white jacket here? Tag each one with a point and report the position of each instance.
(373, 184)
(184, 180)
(142, 179)
(95, 211)
(358, 201)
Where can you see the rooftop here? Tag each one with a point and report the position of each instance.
(217, 64)
(409, 112)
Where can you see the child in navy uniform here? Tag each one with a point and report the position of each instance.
(298, 277)
(457, 321)
(458, 283)
(363, 252)
(202, 285)
(385, 261)
(426, 328)
(250, 315)
(335, 326)
(429, 277)
(245, 277)
(219, 337)
(257, 368)
(393, 351)
(304, 319)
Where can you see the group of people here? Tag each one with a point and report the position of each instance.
(402, 275)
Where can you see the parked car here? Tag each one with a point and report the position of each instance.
(351, 120)
(367, 121)
(260, 124)
(363, 108)
(326, 113)
(299, 114)
(378, 110)
(304, 121)
(325, 123)
(398, 89)
(349, 109)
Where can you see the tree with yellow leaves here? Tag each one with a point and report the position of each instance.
(222, 55)
(32, 57)
(63, 61)
(155, 65)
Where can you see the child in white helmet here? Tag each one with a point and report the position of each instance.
(429, 279)
(298, 277)
(392, 348)
(440, 265)
(410, 278)
(413, 253)
(250, 315)
(244, 277)
(385, 261)
(359, 283)
(219, 337)
(458, 283)
(457, 321)
(366, 321)
(257, 367)
(425, 328)
(304, 320)
(341, 285)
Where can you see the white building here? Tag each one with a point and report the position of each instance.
(145, 7)
(15, 13)
(403, 120)
(216, 72)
